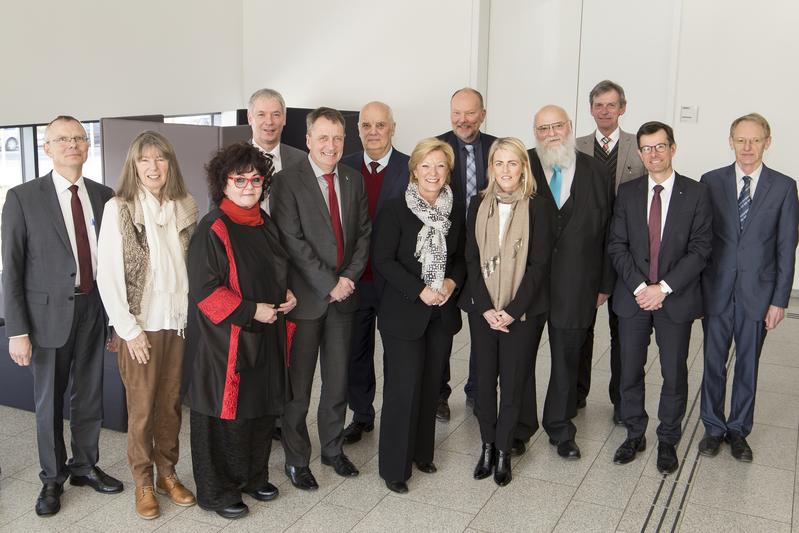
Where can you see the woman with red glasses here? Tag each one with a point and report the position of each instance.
(237, 279)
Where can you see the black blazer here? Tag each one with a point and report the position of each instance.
(458, 179)
(402, 313)
(684, 247)
(395, 180)
(581, 266)
(532, 296)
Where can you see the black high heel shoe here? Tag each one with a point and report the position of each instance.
(486, 463)
(502, 475)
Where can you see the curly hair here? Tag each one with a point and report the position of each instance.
(238, 158)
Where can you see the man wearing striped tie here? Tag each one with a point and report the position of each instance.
(748, 281)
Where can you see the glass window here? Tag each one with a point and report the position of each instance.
(205, 119)
(10, 161)
(92, 168)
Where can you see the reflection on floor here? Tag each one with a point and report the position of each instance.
(547, 493)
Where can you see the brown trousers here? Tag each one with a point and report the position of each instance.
(153, 396)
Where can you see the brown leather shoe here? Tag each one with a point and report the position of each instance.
(146, 504)
(172, 487)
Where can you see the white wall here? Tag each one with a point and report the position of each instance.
(95, 58)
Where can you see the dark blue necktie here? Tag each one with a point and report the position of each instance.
(744, 202)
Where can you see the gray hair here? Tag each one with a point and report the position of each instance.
(266, 93)
(605, 86)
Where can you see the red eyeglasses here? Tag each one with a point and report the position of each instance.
(241, 182)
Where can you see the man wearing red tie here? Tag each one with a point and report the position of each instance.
(659, 244)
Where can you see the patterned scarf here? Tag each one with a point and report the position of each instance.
(431, 243)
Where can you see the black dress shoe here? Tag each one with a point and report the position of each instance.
(354, 431)
(502, 474)
(567, 449)
(232, 512)
(397, 486)
(667, 458)
(266, 493)
(49, 501)
(709, 445)
(739, 448)
(341, 464)
(301, 477)
(442, 411)
(626, 452)
(98, 480)
(581, 403)
(518, 447)
(488, 458)
(427, 468)
(277, 434)
(617, 417)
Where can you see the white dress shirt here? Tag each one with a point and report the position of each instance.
(665, 199)
(381, 163)
(739, 182)
(318, 172)
(277, 166)
(566, 180)
(614, 138)
(64, 195)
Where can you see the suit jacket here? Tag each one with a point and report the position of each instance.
(290, 156)
(532, 295)
(39, 268)
(581, 266)
(628, 165)
(306, 232)
(458, 180)
(684, 247)
(755, 265)
(401, 312)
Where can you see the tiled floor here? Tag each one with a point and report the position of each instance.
(547, 493)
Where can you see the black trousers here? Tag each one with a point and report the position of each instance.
(229, 457)
(507, 357)
(329, 338)
(361, 375)
(528, 413)
(560, 405)
(82, 358)
(672, 340)
(584, 373)
(412, 375)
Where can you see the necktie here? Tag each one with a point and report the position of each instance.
(374, 165)
(654, 234)
(554, 184)
(744, 202)
(606, 144)
(82, 241)
(471, 174)
(335, 218)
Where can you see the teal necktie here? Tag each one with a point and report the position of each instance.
(554, 184)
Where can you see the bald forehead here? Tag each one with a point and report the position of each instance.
(376, 111)
(551, 113)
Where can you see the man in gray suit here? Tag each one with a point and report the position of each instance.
(617, 150)
(54, 318)
(266, 115)
(321, 211)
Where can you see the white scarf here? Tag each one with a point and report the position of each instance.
(431, 243)
(167, 265)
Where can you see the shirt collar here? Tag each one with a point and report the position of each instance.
(275, 152)
(475, 142)
(667, 185)
(382, 162)
(318, 172)
(62, 184)
(739, 173)
(614, 137)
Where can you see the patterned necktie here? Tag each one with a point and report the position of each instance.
(335, 218)
(554, 184)
(744, 202)
(374, 165)
(606, 144)
(471, 174)
(654, 234)
(82, 243)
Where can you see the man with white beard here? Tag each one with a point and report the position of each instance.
(581, 277)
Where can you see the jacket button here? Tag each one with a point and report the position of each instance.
(72, 275)
(71, 298)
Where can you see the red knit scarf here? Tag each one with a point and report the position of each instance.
(240, 215)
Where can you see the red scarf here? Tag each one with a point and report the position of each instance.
(240, 215)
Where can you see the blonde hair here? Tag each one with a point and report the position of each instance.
(424, 148)
(757, 118)
(516, 147)
(174, 189)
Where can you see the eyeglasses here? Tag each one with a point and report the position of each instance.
(555, 126)
(659, 148)
(241, 182)
(78, 139)
(756, 141)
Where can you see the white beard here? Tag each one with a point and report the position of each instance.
(563, 154)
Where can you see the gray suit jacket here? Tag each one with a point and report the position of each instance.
(303, 220)
(629, 165)
(39, 268)
(290, 156)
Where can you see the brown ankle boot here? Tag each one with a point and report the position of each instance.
(146, 504)
(172, 487)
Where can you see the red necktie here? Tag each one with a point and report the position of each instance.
(654, 234)
(82, 242)
(374, 165)
(335, 218)
(606, 144)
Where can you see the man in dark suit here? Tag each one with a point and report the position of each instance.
(582, 276)
(467, 113)
(748, 283)
(54, 318)
(659, 243)
(617, 151)
(385, 173)
(322, 214)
